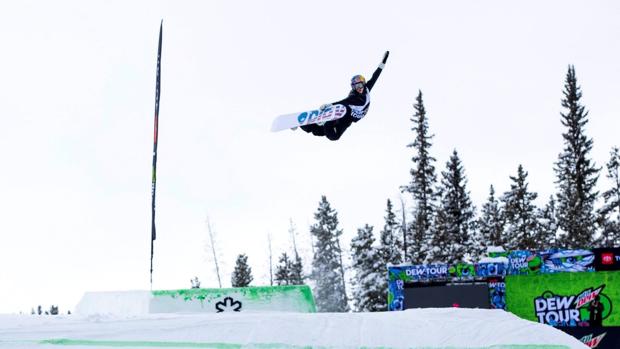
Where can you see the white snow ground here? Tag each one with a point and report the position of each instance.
(417, 328)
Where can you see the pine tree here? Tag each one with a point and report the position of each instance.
(389, 242)
(576, 173)
(296, 271)
(423, 181)
(440, 236)
(369, 293)
(327, 268)
(491, 222)
(242, 275)
(454, 227)
(289, 271)
(520, 212)
(282, 275)
(546, 234)
(609, 214)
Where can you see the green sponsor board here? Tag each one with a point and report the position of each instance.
(216, 300)
(565, 299)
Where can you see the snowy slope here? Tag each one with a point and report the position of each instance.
(417, 328)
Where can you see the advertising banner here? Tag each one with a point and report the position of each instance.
(606, 259)
(550, 261)
(427, 272)
(289, 298)
(599, 338)
(497, 293)
(402, 275)
(566, 299)
(486, 270)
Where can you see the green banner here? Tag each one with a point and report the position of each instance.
(290, 298)
(566, 299)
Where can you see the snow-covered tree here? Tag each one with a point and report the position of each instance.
(609, 214)
(296, 271)
(242, 274)
(491, 222)
(546, 234)
(423, 182)
(369, 290)
(576, 173)
(289, 271)
(389, 242)
(454, 227)
(327, 268)
(520, 213)
(281, 276)
(440, 237)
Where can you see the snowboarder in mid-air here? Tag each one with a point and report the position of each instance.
(357, 104)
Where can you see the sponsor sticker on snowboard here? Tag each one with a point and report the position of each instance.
(287, 121)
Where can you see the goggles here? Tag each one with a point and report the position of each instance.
(357, 85)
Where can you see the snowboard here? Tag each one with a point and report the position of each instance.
(287, 121)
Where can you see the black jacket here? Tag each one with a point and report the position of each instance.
(357, 103)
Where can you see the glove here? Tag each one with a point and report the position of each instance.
(325, 106)
(385, 57)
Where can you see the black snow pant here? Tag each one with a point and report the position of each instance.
(331, 129)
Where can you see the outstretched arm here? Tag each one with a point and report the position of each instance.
(370, 83)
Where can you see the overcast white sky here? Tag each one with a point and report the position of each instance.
(76, 112)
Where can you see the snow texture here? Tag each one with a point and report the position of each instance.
(414, 328)
(115, 303)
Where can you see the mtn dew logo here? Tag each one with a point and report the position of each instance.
(587, 296)
(571, 310)
(591, 341)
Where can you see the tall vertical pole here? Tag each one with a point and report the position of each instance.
(156, 129)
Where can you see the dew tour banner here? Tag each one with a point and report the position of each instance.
(401, 274)
(405, 275)
(412, 273)
(550, 261)
(518, 263)
(566, 299)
